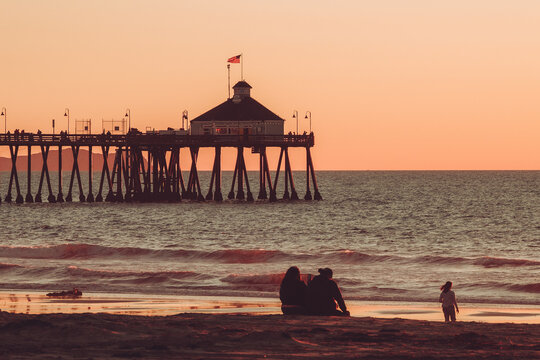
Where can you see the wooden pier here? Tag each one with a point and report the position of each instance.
(147, 167)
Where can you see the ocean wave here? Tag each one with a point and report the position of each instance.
(68, 251)
(4, 266)
(109, 274)
(353, 257)
(87, 251)
(267, 279)
(247, 256)
(434, 259)
(485, 261)
(490, 262)
(529, 288)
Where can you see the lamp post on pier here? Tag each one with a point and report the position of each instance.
(128, 115)
(185, 117)
(4, 114)
(66, 113)
(295, 116)
(308, 113)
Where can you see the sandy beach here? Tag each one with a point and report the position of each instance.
(240, 336)
(108, 326)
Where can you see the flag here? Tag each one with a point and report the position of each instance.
(235, 59)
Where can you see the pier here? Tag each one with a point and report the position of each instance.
(147, 167)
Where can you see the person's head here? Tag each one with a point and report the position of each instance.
(293, 273)
(326, 272)
(446, 286)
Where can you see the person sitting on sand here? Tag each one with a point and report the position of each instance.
(292, 293)
(448, 300)
(323, 293)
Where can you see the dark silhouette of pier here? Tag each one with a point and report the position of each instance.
(147, 168)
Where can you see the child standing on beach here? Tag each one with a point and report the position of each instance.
(448, 300)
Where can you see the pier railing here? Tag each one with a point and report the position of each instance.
(25, 139)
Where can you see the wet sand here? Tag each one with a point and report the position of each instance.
(242, 336)
(156, 305)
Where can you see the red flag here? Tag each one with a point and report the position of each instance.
(234, 59)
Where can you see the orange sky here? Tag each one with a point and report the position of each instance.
(393, 84)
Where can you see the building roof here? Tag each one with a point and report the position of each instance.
(245, 110)
(242, 84)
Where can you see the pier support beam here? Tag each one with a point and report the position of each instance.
(193, 190)
(175, 175)
(264, 177)
(311, 170)
(105, 174)
(262, 183)
(308, 191)
(137, 170)
(60, 196)
(242, 176)
(217, 163)
(116, 176)
(90, 196)
(75, 171)
(215, 178)
(274, 197)
(289, 179)
(29, 198)
(126, 171)
(268, 178)
(45, 175)
(14, 150)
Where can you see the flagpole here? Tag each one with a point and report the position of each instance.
(242, 66)
(229, 79)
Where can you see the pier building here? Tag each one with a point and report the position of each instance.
(241, 115)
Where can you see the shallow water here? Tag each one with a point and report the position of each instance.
(387, 236)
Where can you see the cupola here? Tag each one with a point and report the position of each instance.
(241, 90)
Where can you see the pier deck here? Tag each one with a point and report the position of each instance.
(32, 139)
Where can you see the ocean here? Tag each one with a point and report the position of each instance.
(388, 236)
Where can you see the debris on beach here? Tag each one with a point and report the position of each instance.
(68, 293)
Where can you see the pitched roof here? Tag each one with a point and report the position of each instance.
(246, 110)
(243, 84)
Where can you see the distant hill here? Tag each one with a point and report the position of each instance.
(52, 161)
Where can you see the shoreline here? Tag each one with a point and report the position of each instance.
(32, 302)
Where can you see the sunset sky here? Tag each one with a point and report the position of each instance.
(391, 84)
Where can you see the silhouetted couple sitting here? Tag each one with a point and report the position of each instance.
(318, 297)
